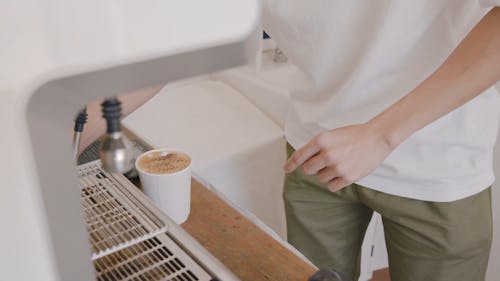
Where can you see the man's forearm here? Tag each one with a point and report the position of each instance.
(473, 67)
(344, 155)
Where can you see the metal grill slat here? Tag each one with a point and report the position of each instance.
(104, 212)
(141, 260)
(129, 242)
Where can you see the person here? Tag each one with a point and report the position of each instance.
(394, 112)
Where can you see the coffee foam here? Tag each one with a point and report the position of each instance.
(163, 162)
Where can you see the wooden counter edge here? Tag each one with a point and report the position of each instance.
(248, 251)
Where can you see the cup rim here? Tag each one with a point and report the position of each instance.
(166, 150)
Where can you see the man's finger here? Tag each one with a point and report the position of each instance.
(300, 156)
(337, 184)
(327, 174)
(314, 164)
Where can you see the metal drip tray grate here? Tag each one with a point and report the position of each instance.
(128, 241)
(112, 221)
(151, 259)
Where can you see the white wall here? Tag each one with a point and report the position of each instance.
(493, 268)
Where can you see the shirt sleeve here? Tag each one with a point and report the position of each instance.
(489, 3)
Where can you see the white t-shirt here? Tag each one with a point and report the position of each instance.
(359, 57)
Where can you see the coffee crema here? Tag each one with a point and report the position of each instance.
(164, 162)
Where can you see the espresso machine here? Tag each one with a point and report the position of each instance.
(56, 56)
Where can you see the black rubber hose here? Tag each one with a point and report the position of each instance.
(80, 120)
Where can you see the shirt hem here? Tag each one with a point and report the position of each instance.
(434, 193)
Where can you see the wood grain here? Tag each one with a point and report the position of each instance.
(244, 248)
(381, 275)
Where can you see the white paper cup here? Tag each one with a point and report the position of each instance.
(170, 191)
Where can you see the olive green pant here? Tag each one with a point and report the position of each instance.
(426, 241)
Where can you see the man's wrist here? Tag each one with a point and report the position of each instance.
(389, 131)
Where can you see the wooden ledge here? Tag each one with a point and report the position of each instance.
(249, 252)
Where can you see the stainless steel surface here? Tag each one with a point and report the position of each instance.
(76, 144)
(89, 154)
(157, 258)
(279, 56)
(132, 240)
(115, 153)
(112, 220)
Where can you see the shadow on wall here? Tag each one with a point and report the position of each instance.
(493, 269)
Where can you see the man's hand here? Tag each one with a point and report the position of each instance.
(342, 156)
(345, 155)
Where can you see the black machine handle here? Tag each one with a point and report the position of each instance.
(327, 275)
(112, 111)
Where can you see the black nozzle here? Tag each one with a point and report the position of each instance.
(80, 120)
(327, 275)
(112, 112)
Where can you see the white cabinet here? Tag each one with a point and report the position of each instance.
(493, 268)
